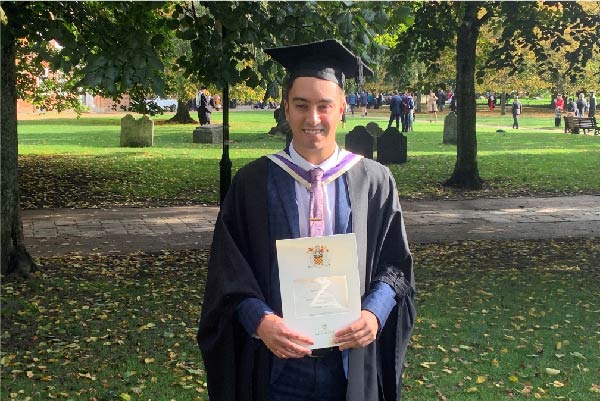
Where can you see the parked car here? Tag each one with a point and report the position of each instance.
(165, 104)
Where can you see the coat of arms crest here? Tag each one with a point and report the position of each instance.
(318, 256)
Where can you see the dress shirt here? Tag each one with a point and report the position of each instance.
(379, 300)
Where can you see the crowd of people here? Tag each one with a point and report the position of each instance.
(582, 107)
(364, 100)
(402, 105)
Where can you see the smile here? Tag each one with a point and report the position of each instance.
(313, 131)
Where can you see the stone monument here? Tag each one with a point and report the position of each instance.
(208, 133)
(136, 133)
(374, 129)
(360, 141)
(392, 147)
(449, 133)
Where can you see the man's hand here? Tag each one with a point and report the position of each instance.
(283, 342)
(360, 333)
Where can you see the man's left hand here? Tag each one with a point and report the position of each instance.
(360, 333)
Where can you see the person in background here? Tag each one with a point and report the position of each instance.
(441, 99)
(395, 109)
(491, 102)
(580, 105)
(431, 105)
(592, 105)
(363, 102)
(203, 105)
(411, 118)
(352, 101)
(559, 101)
(516, 110)
(558, 116)
(571, 107)
(558, 105)
(311, 188)
(406, 107)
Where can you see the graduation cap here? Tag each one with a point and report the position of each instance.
(327, 59)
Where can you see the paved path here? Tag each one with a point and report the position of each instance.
(125, 230)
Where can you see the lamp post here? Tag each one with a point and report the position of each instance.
(225, 164)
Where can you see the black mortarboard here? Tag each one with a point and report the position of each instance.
(327, 59)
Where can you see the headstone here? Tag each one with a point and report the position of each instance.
(360, 141)
(449, 133)
(374, 129)
(208, 133)
(136, 133)
(392, 147)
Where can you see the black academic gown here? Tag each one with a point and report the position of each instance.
(240, 266)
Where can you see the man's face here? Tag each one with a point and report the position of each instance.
(313, 109)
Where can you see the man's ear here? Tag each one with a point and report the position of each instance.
(343, 105)
(286, 106)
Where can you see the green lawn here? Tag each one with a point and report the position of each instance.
(496, 321)
(83, 160)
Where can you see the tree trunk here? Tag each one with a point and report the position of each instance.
(14, 258)
(465, 174)
(183, 114)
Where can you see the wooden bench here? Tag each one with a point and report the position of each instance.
(575, 124)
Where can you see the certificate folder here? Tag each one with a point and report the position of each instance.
(319, 285)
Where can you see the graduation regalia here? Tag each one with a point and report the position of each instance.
(261, 208)
(243, 265)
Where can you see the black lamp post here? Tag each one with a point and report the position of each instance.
(225, 165)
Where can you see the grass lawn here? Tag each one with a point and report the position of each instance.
(87, 168)
(508, 320)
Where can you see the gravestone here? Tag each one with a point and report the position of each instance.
(208, 133)
(392, 147)
(136, 133)
(374, 129)
(360, 141)
(449, 132)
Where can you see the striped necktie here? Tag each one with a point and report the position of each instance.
(316, 222)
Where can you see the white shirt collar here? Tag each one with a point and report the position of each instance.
(307, 166)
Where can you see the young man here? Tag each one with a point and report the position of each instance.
(204, 107)
(249, 352)
(516, 110)
(395, 109)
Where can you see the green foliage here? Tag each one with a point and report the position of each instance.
(520, 39)
(108, 48)
(227, 38)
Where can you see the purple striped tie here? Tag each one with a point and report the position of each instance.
(316, 223)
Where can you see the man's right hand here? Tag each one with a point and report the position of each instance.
(283, 342)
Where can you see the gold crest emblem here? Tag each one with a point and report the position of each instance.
(318, 256)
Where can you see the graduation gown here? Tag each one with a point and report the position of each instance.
(243, 264)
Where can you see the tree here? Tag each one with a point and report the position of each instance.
(180, 83)
(537, 26)
(227, 39)
(110, 48)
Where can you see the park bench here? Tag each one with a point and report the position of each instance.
(575, 124)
